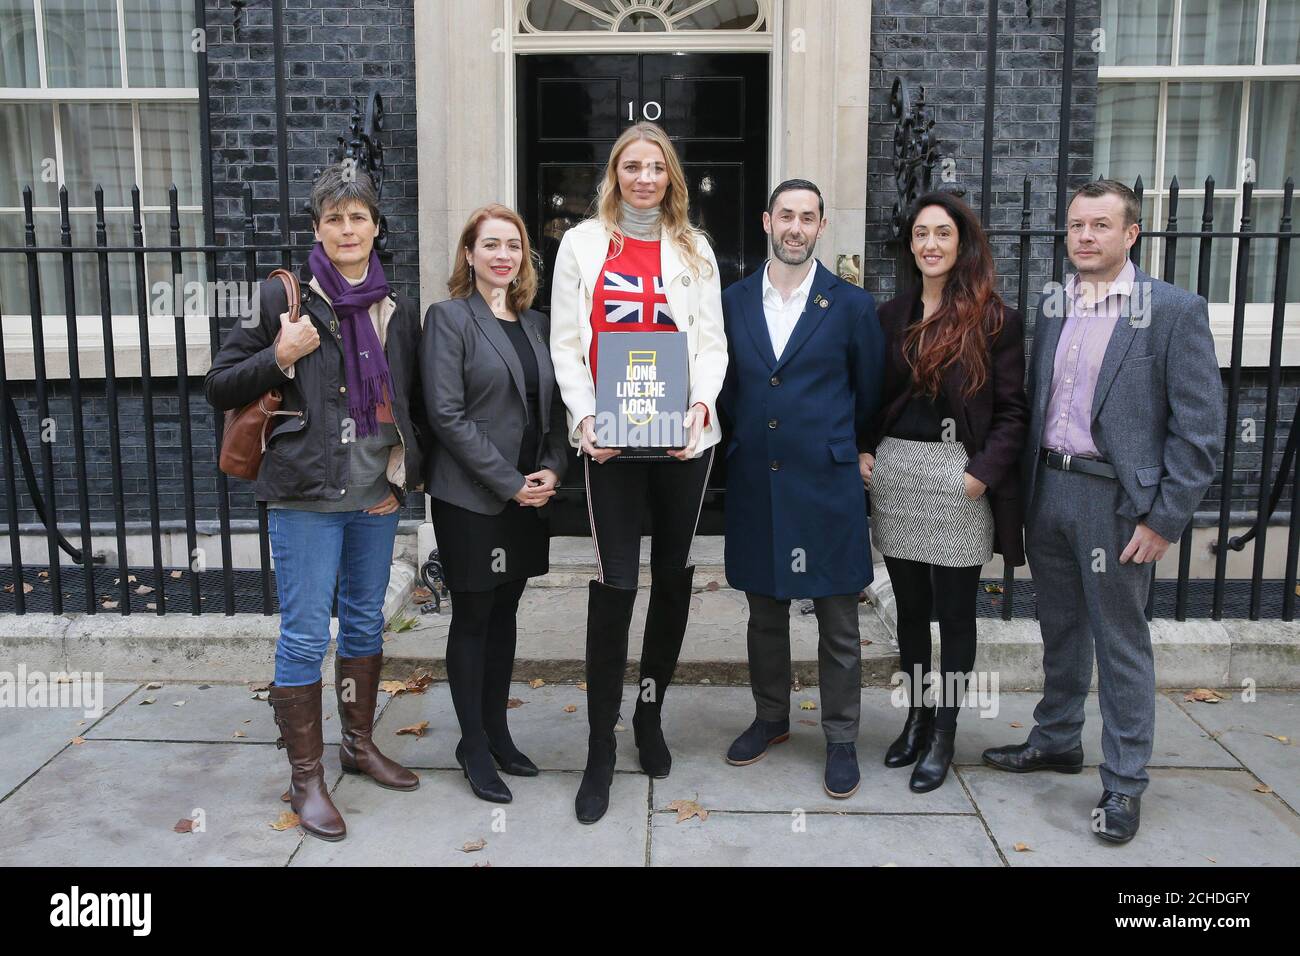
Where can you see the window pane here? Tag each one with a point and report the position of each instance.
(18, 66)
(13, 268)
(560, 16)
(1263, 253)
(1218, 31)
(1125, 145)
(85, 266)
(81, 43)
(1282, 33)
(159, 34)
(169, 152)
(120, 269)
(157, 232)
(1274, 142)
(1187, 255)
(27, 153)
(1201, 133)
(98, 148)
(1137, 34)
(720, 15)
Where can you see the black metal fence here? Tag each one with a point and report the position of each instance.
(158, 587)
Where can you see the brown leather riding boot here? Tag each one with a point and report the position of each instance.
(357, 718)
(298, 715)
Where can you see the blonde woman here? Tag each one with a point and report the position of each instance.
(641, 238)
(499, 452)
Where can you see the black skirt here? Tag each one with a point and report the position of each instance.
(480, 552)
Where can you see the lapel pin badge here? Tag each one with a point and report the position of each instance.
(822, 302)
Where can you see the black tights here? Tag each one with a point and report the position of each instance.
(949, 594)
(480, 660)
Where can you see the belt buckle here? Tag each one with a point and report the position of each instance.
(1065, 461)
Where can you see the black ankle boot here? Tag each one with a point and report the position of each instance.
(932, 769)
(914, 738)
(476, 763)
(609, 613)
(665, 627)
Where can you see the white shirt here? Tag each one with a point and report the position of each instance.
(782, 316)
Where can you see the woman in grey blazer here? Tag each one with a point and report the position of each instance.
(499, 452)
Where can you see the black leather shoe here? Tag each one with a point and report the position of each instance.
(842, 775)
(651, 748)
(1022, 758)
(931, 769)
(1119, 817)
(484, 782)
(512, 761)
(751, 746)
(593, 792)
(911, 743)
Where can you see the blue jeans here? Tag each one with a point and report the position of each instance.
(311, 551)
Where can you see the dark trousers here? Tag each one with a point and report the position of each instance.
(839, 661)
(619, 495)
(481, 658)
(923, 591)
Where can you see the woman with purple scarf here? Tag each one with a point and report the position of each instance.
(334, 478)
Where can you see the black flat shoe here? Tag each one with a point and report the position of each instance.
(1022, 758)
(511, 761)
(1119, 817)
(485, 783)
(911, 743)
(931, 769)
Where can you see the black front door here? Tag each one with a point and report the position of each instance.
(572, 107)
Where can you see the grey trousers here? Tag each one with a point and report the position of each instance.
(1088, 601)
(839, 661)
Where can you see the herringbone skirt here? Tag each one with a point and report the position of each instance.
(919, 508)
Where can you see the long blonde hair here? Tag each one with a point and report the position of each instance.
(523, 289)
(672, 210)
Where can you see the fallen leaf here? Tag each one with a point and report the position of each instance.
(415, 730)
(582, 685)
(570, 708)
(1015, 723)
(109, 605)
(81, 723)
(514, 702)
(418, 682)
(1204, 695)
(1022, 848)
(149, 700)
(259, 685)
(393, 686)
(619, 728)
(400, 624)
(78, 740)
(687, 809)
(144, 589)
(178, 703)
(261, 695)
(808, 723)
(153, 685)
(284, 797)
(807, 705)
(184, 826)
(992, 588)
(44, 575)
(1263, 788)
(421, 595)
(712, 586)
(1281, 740)
(27, 588)
(536, 682)
(176, 575)
(248, 720)
(151, 606)
(285, 821)
(239, 733)
(472, 846)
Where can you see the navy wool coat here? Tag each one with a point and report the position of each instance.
(796, 511)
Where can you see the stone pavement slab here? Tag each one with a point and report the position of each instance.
(829, 839)
(1189, 818)
(33, 735)
(214, 713)
(431, 825)
(114, 803)
(1250, 732)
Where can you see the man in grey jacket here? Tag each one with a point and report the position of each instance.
(1127, 422)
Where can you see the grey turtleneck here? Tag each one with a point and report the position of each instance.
(638, 223)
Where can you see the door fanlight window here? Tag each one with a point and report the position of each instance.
(644, 16)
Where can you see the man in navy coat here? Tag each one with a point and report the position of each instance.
(802, 387)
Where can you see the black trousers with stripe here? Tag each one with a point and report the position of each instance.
(621, 492)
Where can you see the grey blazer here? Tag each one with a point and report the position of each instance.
(1157, 413)
(475, 400)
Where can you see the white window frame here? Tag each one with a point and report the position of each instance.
(19, 344)
(1258, 320)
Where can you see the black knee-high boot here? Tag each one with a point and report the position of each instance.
(609, 614)
(665, 627)
(466, 649)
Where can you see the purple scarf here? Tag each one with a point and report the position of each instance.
(364, 365)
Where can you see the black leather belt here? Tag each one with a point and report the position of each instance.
(1089, 466)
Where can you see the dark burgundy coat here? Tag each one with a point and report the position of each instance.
(992, 424)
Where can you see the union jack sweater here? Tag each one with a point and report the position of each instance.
(629, 295)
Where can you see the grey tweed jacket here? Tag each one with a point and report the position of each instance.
(1157, 413)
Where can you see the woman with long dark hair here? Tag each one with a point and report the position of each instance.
(642, 239)
(944, 476)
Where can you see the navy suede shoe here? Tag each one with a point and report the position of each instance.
(753, 743)
(842, 776)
